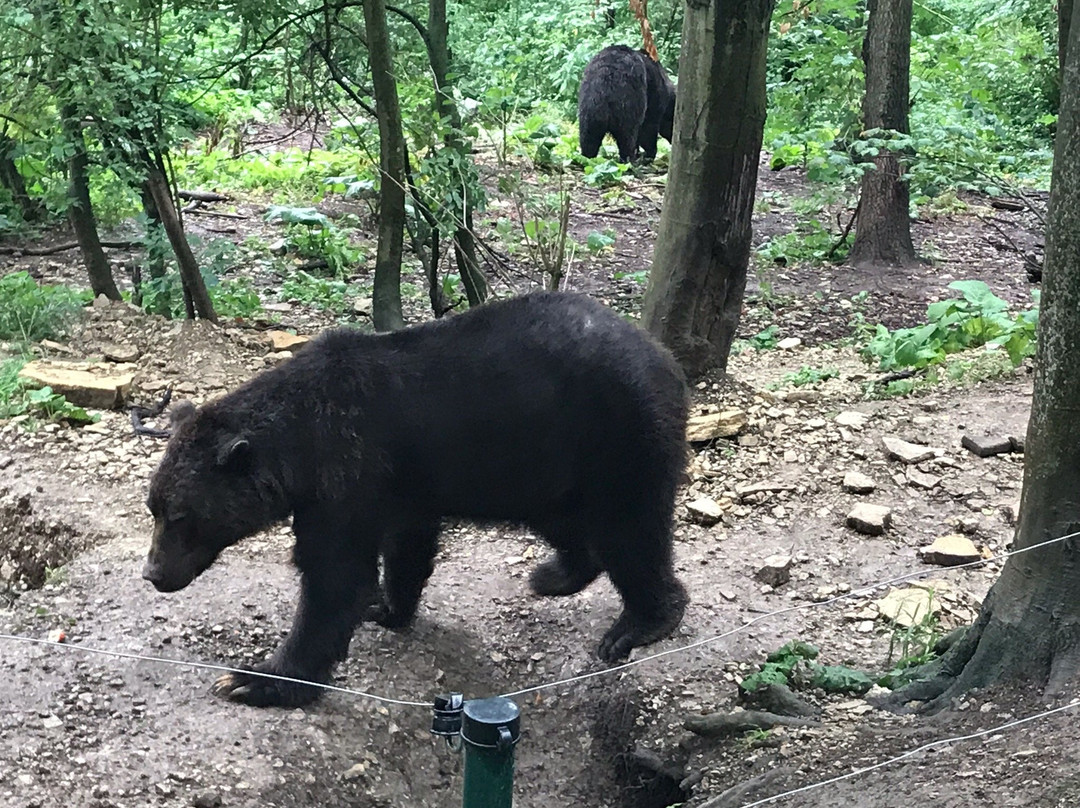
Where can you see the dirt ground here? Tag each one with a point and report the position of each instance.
(83, 729)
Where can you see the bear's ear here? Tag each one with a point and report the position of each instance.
(181, 412)
(234, 454)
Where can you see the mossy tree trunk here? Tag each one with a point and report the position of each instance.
(698, 276)
(883, 226)
(1029, 627)
(386, 292)
(81, 212)
(438, 32)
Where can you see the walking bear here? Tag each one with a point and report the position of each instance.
(547, 410)
(626, 93)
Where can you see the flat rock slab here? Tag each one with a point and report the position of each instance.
(987, 445)
(855, 482)
(905, 452)
(948, 551)
(97, 385)
(910, 606)
(725, 424)
(920, 479)
(852, 419)
(123, 354)
(872, 520)
(284, 341)
(704, 511)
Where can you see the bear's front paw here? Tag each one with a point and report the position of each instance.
(248, 687)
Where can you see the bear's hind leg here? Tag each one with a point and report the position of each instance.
(572, 568)
(408, 561)
(339, 578)
(653, 599)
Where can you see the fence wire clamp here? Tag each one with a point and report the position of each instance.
(446, 719)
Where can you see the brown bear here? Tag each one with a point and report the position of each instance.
(547, 410)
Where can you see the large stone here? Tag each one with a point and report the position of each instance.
(284, 341)
(705, 511)
(910, 606)
(870, 519)
(987, 446)
(951, 550)
(775, 571)
(123, 354)
(920, 479)
(703, 428)
(852, 418)
(905, 452)
(855, 482)
(85, 384)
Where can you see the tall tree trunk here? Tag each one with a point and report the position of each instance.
(883, 228)
(31, 209)
(438, 31)
(1065, 12)
(386, 294)
(1029, 626)
(81, 213)
(190, 276)
(698, 277)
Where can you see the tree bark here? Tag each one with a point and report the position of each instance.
(1029, 626)
(81, 213)
(31, 209)
(698, 276)
(196, 296)
(1065, 13)
(883, 227)
(386, 292)
(438, 30)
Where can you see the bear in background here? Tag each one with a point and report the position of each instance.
(627, 94)
(547, 410)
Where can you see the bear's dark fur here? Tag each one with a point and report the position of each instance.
(626, 93)
(547, 410)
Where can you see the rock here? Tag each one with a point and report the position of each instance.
(905, 452)
(855, 482)
(745, 491)
(97, 385)
(52, 722)
(987, 446)
(948, 551)
(703, 428)
(363, 306)
(870, 519)
(705, 511)
(921, 479)
(910, 606)
(278, 307)
(1010, 511)
(284, 341)
(776, 570)
(789, 343)
(56, 346)
(207, 799)
(5, 461)
(1017, 444)
(120, 353)
(852, 419)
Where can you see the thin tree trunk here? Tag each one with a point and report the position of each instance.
(199, 302)
(31, 209)
(1029, 626)
(438, 32)
(81, 213)
(698, 276)
(883, 228)
(386, 294)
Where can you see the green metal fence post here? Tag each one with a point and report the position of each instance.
(490, 729)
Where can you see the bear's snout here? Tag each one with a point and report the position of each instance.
(161, 578)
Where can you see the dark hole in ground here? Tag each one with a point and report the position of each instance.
(643, 778)
(32, 545)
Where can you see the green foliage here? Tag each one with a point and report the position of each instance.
(598, 243)
(811, 242)
(235, 298)
(311, 235)
(804, 376)
(324, 293)
(30, 312)
(977, 318)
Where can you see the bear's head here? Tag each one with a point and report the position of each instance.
(210, 490)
